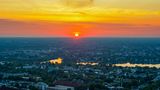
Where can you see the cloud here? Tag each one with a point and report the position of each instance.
(49, 29)
(77, 3)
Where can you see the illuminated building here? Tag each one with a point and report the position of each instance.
(56, 61)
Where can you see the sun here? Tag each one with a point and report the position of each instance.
(76, 34)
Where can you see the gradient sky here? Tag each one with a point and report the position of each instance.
(92, 18)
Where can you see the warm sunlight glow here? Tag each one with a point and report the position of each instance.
(76, 34)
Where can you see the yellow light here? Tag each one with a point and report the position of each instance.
(56, 61)
(76, 34)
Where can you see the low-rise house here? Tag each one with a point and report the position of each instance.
(41, 86)
(61, 87)
(157, 78)
(29, 66)
(64, 85)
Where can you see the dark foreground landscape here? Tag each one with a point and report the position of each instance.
(79, 63)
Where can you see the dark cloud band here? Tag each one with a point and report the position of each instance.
(77, 3)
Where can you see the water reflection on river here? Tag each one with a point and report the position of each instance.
(137, 65)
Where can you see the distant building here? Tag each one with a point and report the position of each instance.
(6, 75)
(56, 61)
(2, 63)
(61, 87)
(64, 85)
(41, 86)
(157, 78)
(29, 66)
(115, 88)
(7, 88)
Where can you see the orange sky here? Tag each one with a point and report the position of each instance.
(91, 18)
